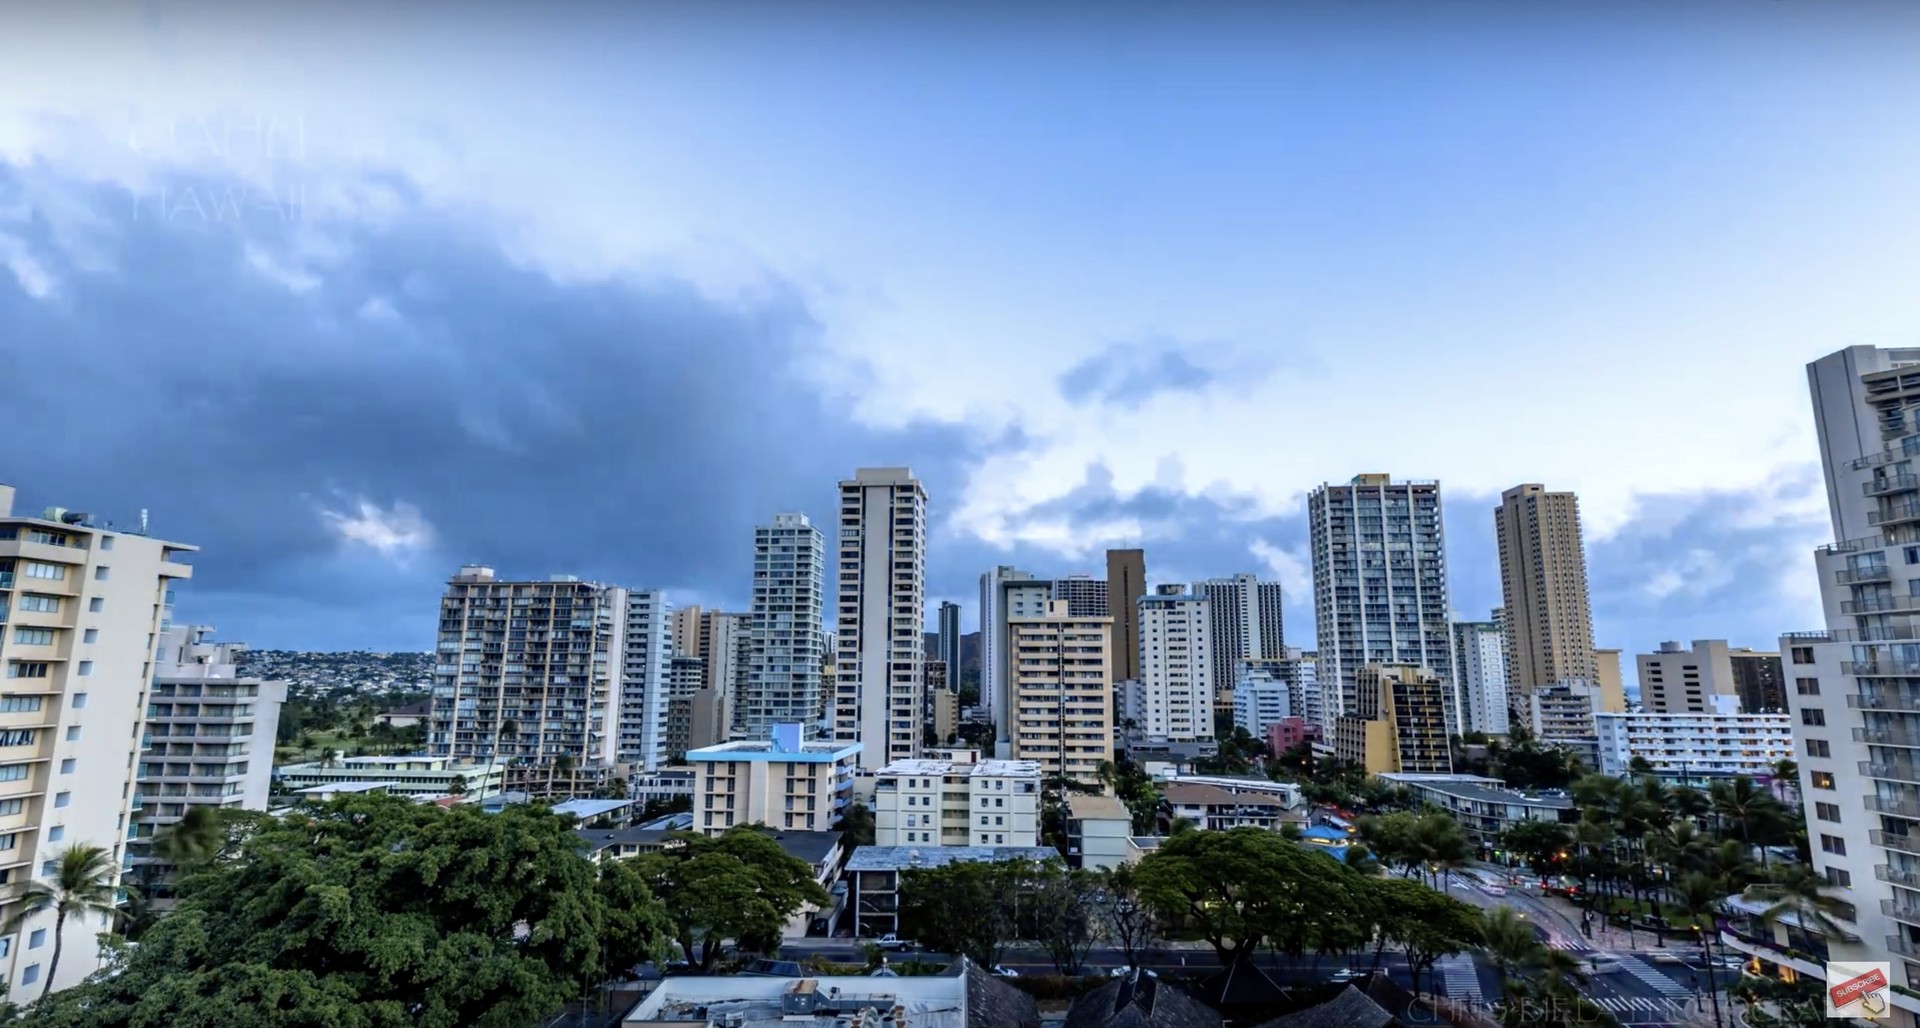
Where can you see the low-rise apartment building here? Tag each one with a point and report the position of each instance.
(873, 874)
(1485, 807)
(399, 775)
(1099, 832)
(782, 782)
(1215, 809)
(957, 799)
(1685, 744)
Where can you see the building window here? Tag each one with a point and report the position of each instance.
(56, 833)
(1840, 876)
(86, 669)
(1818, 748)
(106, 542)
(79, 701)
(1827, 811)
(1833, 844)
(16, 737)
(1821, 779)
(10, 807)
(30, 975)
(90, 635)
(40, 603)
(100, 573)
(27, 669)
(19, 704)
(96, 605)
(33, 636)
(49, 572)
(73, 732)
(66, 766)
(37, 939)
(1802, 654)
(1813, 716)
(14, 772)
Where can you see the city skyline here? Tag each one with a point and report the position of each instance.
(878, 301)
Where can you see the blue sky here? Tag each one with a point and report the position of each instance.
(595, 288)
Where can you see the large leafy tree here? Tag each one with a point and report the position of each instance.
(373, 911)
(738, 885)
(1241, 887)
(965, 907)
(1424, 924)
(1066, 918)
(1124, 917)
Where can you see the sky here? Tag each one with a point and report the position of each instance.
(349, 296)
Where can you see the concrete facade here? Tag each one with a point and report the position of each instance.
(957, 799)
(82, 605)
(784, 781)
(1480, 669)
(1086, 596)
(1126, 583)
(1005, 592)
(881, 605)
(1062, 692)
(1176, 666)
(1684, 744)
(785, 630)
(1543, 588)
(1400, 724)
(1379, 582)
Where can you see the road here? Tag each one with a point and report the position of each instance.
(1031, 960)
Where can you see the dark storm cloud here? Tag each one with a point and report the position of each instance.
(1130, 374)
(631, 431)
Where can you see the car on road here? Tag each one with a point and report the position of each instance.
(1494, 890)
(1345, 974)
(1123, 971)
(1005, 972)
(891, 941)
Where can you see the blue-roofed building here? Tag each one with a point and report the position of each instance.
(786, 782)
(620, 811)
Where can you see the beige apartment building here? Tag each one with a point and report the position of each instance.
(82, 606)
(1709, 677)
(1061, 692)
(783, 782)
(882, 600)
(1543, 584)
(1401, 724)
(955, 798)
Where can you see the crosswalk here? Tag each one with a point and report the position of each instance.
(1660, 983)
(1459, 978)
(1571, 945)
(1639, 1009)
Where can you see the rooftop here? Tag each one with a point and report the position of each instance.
(588, 809)
(787, 744)
(962, 997)
(899, 858)
(812, 847)
(1479, 789)
(1178, 793)
(1102, 807)
(984, 768)
(330, 789)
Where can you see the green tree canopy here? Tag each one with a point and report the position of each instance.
(1241, 887)
(738, 885)
(373, 911)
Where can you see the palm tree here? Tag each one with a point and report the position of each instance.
(1799, 891)
(1699, 897)
(1785, 770)
(82, 883)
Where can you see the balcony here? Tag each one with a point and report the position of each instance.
(1890, 484)
(1897, 876)
(1892, 771)
(1894, 808)
(1894, 514)
(1887, 668)
(1900, 911)
(1892, 701)
(1858, 576)
(1886, 737)
(1895, 841)
(1902, 945)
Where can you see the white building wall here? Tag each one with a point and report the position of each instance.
(1731, 743)
(1260, 699)
(644, 686)
(1176, 667)
(879, 681)
(785, 655)
(1480, 662)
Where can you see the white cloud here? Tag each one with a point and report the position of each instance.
(1293, 568)
(396, 533)
(29, 272)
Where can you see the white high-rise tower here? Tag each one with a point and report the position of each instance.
(881, 614)
(784, 629)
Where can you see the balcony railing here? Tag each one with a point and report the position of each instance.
(1880, 605)
(1895, 514)
(1883, 701)
(1891, 771)
(1890, 484)
(1894, 808)
(1857, 576)
(1902, 945)
(1881, 668)
(1895, 841)
(1898, 876)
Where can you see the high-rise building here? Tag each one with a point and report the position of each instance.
(1085, 595)
(785, 630)
(1480, 670)
(1261, 697)
(528, 671)
(947, 640)
(1247, 623)
(1126, 583)
(881, 613)
(1855, 693)
(1176, 666)
(685, 678)
(1759, 680)
(1060, 699)
(81, 606)
(1399, 723)
(1379, 581)
(715, 637)
(1610, 690)
(646, 684)
(1543, 587)
(1296, 671)
(210, 737)
(1005, 593)
(684, 629)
